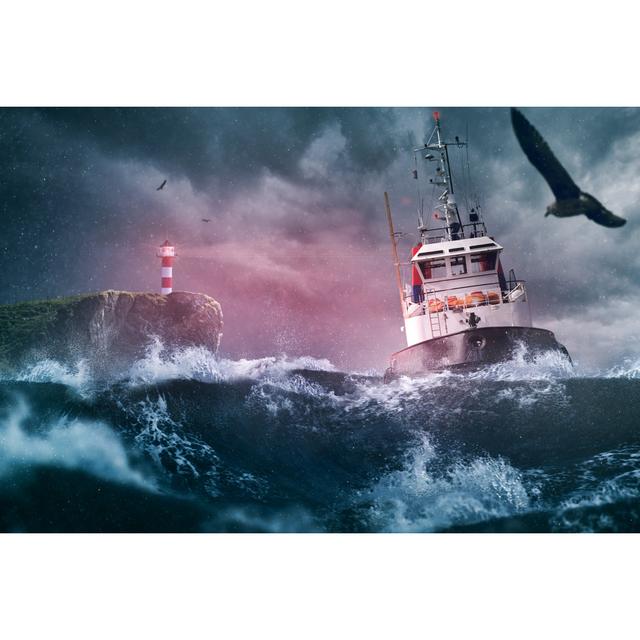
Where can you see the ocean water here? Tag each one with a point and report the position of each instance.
(187, 441)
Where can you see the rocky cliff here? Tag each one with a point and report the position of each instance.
(107, 328)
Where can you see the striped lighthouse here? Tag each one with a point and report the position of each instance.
(167, 254)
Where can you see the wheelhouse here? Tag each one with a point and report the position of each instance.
(457, 259)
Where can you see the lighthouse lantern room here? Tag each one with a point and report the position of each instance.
(167, 254)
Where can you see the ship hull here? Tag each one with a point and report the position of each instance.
(472, 348)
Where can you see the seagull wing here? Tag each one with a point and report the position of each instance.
(606, 218)
(542, 158)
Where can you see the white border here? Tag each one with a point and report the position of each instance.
(295, 53)
(318, 586)
(287, 52)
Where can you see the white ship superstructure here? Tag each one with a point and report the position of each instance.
(461, 277)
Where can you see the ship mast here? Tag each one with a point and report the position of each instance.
(447, 208)
(394, 250)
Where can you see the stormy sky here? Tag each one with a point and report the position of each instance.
(297, 250)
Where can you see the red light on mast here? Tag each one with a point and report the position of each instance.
(436, 116)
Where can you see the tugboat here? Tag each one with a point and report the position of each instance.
(461, 311)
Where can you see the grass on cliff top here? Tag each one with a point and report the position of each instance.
(23, 322)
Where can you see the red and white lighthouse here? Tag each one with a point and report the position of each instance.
(167, 254)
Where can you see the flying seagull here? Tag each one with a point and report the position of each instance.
(161, 187)
(570, 200)
(206, 220)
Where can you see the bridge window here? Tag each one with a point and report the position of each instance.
(432, 269)
(483, 262)
(458, 266)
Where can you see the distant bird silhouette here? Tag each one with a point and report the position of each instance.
(161, 187)
(206, 220)
(570, 200)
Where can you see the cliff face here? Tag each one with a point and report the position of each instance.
(107, 328)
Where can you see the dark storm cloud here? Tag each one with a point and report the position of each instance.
(59, 199)
(231, 146)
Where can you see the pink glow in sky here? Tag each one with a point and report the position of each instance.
(332, 297)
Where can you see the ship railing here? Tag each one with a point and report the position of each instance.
(437, 301)
(516, 291)
(441, 234)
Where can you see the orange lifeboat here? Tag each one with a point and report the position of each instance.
(454, 303)
(494, 297)
(435, 305)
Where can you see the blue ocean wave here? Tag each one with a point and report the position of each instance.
(188, 441)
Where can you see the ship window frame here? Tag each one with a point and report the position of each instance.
(493, 253)
(464, 263)
(428, 263)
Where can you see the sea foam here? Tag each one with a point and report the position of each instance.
(423, 496)
(68, 443)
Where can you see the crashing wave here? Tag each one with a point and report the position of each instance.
(547, 365)
(629, 369)
(76, 376)
(82, 445)
(421, 497)
(198, 363)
